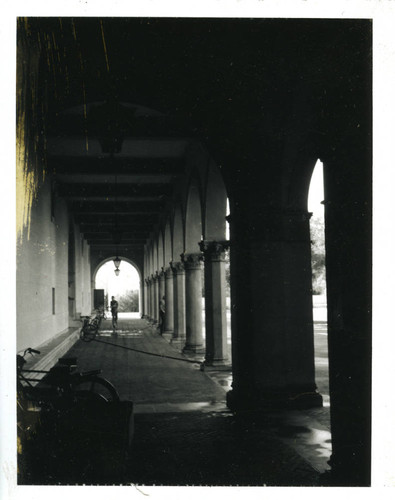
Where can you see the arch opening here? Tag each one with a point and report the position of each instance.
(126, 287)
(317, 236)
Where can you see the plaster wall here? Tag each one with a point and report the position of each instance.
(82, 275)
(42, 265)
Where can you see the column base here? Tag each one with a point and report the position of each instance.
(252, 401)
(217, 363)
(348, 468)
(195, 349)
(178, 342)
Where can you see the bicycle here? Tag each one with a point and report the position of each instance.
(91, 325)
(63, 418)
(63, 385)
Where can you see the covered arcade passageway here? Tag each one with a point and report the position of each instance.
(132, 135)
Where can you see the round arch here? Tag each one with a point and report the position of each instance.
(215, 202)
(133, 264)
(298, 185)
(108, 259)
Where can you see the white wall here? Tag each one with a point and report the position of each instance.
(83, 301)
(42, 264)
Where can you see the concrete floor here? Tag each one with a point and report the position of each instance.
(183, 432)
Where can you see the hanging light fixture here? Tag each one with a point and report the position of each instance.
(117, 263)
(117, 233)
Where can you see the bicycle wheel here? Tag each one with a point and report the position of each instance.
(88, 333)
(90, 387)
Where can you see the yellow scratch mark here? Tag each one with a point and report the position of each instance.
(104, 45)
(26, 182)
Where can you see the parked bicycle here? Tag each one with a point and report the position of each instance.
(61, 386)
(91, 325)
(61, 415)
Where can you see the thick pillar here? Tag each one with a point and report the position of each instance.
(347, 180)
(272, 327)
(155, 294)
(215, 300)
(161, 285)
(147, 298)
(169, 301)
(150, 301)
(178, 270)
(193, 302)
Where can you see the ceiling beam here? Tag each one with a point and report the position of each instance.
(113, 179)
(123, 207)
(122, 220)
(109, 243)
(123, 191)
(103, 165)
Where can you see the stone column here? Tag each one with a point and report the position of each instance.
(272, 328)
(349, 286)
(193, 302)
(161, 284)
(179, 300)
(215, 300)
(146, 298)
(169, 301)
(155, 305)
(149, 283)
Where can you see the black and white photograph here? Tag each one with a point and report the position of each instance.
(194, 297)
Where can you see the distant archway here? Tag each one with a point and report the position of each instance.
(126, 287)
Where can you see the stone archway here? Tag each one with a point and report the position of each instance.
(135, 267)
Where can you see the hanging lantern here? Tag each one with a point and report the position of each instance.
(117, 263)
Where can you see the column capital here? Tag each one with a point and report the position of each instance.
(177, 267)
(161, 273)
(155, 276)
(214, 250)
(192, 260)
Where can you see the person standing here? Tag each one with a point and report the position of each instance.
(114, 312)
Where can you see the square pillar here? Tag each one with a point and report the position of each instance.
(272, 331)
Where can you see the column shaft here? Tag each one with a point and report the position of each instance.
(273, 334)
(193, 302)
(155, 296)
(215, 302)
(179, 300)
(169, 301)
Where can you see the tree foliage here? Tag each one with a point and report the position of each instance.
(129, 301)
(317, 233)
